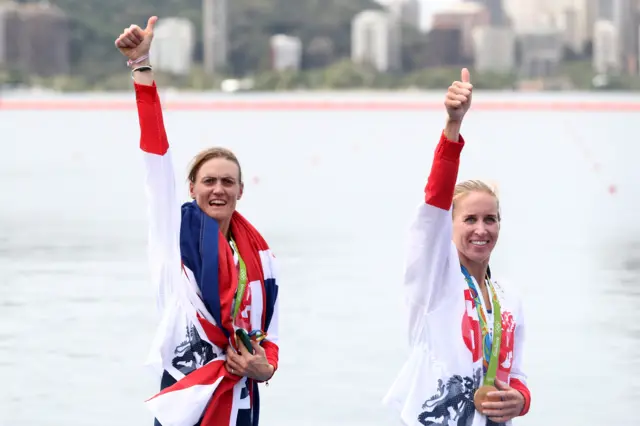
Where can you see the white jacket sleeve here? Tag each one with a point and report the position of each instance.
(431, 253)
(518, 367)
(160, 189)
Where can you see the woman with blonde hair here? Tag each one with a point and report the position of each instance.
(215, 275)
(466, 329)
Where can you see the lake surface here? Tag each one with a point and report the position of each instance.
(333, 192)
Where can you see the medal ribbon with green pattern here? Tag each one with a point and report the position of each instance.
(242, 282)
(490, 347)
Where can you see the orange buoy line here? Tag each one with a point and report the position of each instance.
(9, 104)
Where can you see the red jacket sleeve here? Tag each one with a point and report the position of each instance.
(271, 351)
(153, 137)
(522, 388)
(444, 173)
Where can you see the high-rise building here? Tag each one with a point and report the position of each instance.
(215, 34)
(541, 52)
(375, 40)
(173, 45)
(286, 52)
(494, 49)
(463, 17)
(497, 15)
(34, 38)
(606, 9)
(407, 11)
(626, 21)
(606, 59)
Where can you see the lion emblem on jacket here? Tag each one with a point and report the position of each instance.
(193, 352)
(453, 402)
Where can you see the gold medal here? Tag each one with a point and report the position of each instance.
(481, 396)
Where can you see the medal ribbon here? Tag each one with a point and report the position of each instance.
(490, 349)
(242, 281)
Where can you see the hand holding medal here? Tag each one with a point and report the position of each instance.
(502, 403)
(495, 399)
(252, 364)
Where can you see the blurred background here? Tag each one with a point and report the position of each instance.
(334, 108)
(326, 44)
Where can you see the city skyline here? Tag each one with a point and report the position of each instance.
(523, 12)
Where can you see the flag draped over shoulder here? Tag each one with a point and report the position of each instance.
(193, 349)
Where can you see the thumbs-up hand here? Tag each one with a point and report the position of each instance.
(458, 99)
(135, 42)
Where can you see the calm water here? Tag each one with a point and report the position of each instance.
(333, 192)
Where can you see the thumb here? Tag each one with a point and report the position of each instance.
(465, 77)
(151, 23)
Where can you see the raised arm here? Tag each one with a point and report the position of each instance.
(431, 253)
(163, 207)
